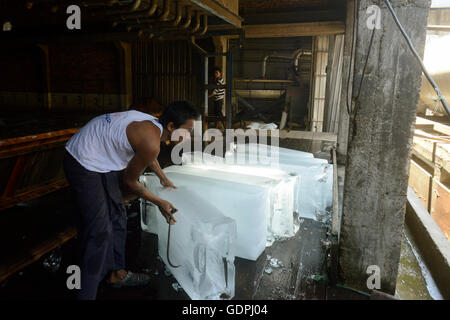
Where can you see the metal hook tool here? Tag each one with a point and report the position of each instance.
(168, 249)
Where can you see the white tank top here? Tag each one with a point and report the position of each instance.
(102, 144)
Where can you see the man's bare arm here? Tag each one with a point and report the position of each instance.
(146, 145)
(156, 168)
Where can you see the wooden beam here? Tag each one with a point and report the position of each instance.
(221, 9)
(438, 28)
(294, 16)
(423, 134)
(308, 135)
(301, 29)
(436, 126)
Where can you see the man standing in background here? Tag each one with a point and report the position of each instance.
(219, 95)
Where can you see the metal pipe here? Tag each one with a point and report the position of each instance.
(166, 11)
(205, 26)
(186, 24)
(295, 56)
(129, 8)
(197, 22)
(179, 15)
(266, 58)
(150, 11)
(202, 51)
(300, 54)
(148, 21)
(98, 3)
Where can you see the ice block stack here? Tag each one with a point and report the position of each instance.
(282, 196)
(314, 196)
(201, 242)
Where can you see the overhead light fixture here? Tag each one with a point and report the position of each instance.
(7, 26)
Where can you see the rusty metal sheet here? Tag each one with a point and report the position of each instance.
(21, 145)
(37, 168)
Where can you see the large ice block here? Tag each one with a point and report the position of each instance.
(201, 243)
(314, 196)
(281, 187)
(282, 196)
(247, 202)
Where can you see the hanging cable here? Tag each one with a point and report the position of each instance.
(418, 58)
(355, 10)
(365, 63)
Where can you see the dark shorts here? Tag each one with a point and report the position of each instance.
(102, 224)
(218, 108)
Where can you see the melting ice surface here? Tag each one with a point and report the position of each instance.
(201, 242)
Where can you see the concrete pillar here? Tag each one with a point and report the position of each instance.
(379, 145)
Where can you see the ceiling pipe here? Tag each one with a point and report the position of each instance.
(107, 3)
(197, 22)
(175, 26)
(266, 58)
(150, 11)
(124, 9)
(205, 26)
(186, 24)
(163, 17)
(166, 11)
(295, 57)
(300, 54)
(173, 21)
(203, 51)
(179, 15)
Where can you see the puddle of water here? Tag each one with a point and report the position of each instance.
(414, 281)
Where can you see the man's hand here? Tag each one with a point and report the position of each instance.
(167, 183)
(167, 210)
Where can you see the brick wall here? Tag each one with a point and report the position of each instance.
(82, 78)
(84, 68)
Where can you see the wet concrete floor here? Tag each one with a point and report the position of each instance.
(298, 277)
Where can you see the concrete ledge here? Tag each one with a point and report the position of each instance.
(433, 245)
